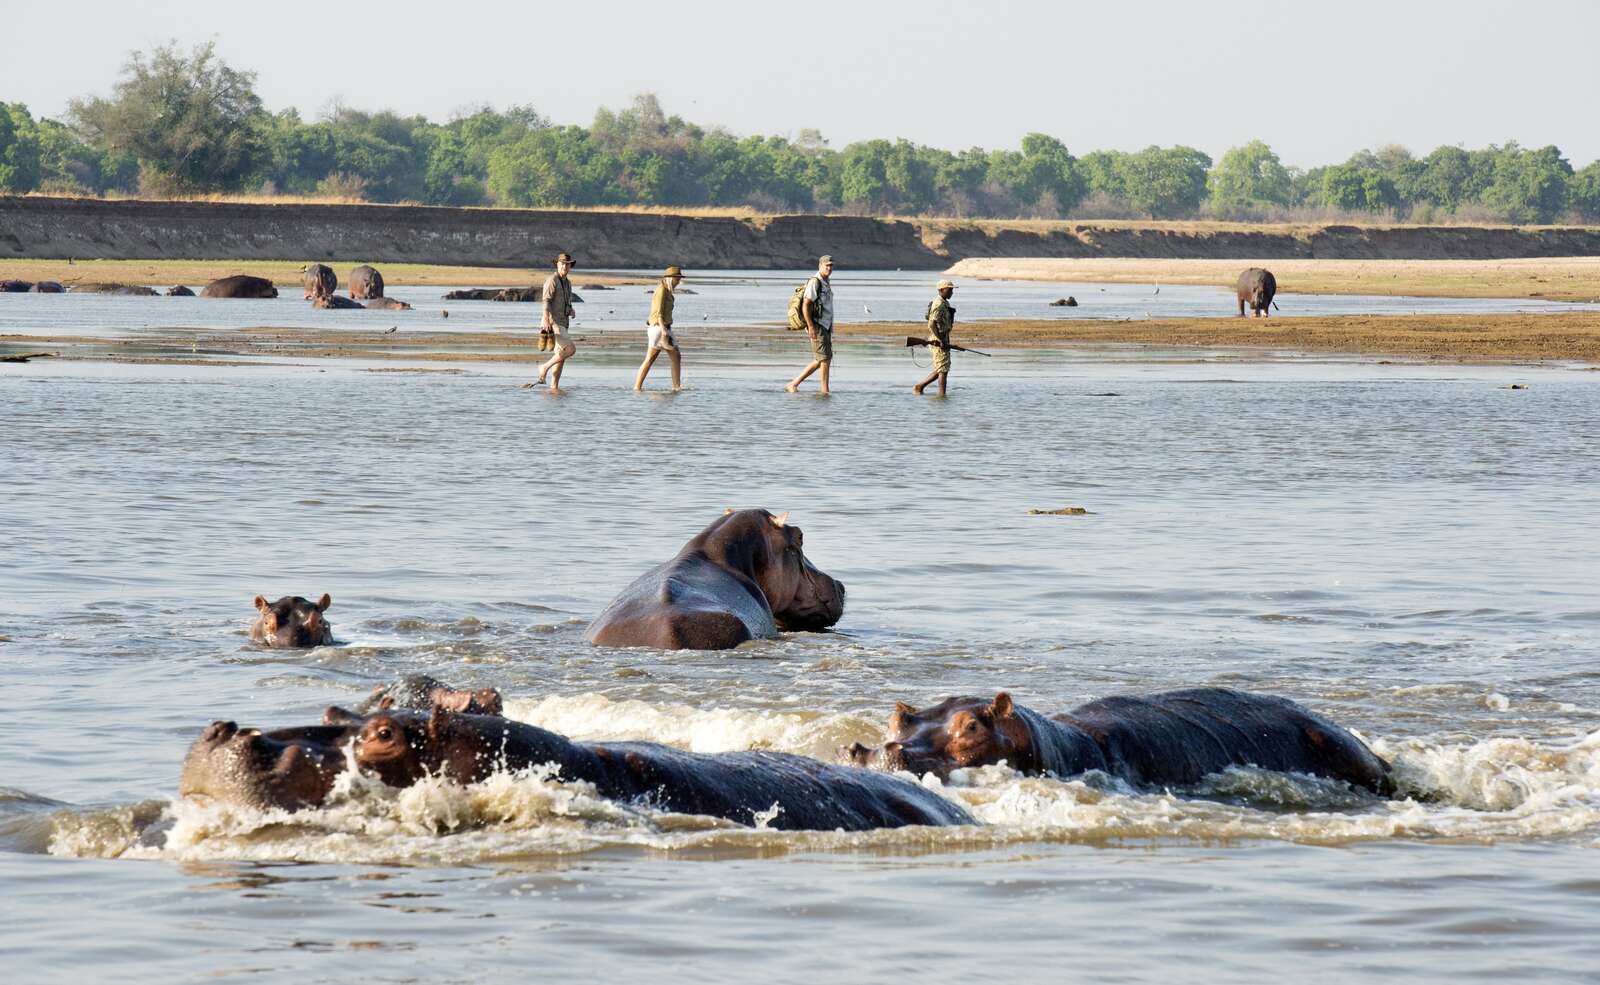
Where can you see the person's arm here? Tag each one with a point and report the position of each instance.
(547, 295)
(807, 303)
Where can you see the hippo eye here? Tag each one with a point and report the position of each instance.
(385, 734)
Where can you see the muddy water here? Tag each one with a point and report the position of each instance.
(1408, 550)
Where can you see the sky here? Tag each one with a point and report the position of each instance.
(1315, 81)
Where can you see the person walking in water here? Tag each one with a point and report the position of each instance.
(557, 321)
(941, 319)
(658, 333)
(817, 308)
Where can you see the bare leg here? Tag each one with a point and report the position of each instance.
(557, 362)
(811, 367)
(677, 368)
(924, 384)
(826, 365)
(644, 367)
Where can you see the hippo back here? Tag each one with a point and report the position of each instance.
(687, 603)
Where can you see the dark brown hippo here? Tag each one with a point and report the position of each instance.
(473, 294)
(366, 283)
(387, 304)
(334, 301)
(239, 286)
(134, 290)
(419, 692)
(15, 286)
(319, 280)
(1256, 288)
(295, 768)
(179, 292)
(1172, 738)
(292, 622)
(48, 287)
(744, 577)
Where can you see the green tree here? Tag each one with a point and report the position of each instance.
(19, 149)
(1102, 171)
(1248, 177)
(1583, 192)
(191, 121)
(1165, 182)
(1528, 185)
(555, 166)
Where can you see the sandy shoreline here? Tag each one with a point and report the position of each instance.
(1561, 337)
(165, 273)
(1554, 279)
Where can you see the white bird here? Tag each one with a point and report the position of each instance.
(866, 309)
(705, 317)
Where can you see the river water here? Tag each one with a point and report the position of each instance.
(1407, 549)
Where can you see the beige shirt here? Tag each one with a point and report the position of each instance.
(558, 300)
(661, 306)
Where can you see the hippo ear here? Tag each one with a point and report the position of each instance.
(728, 511)
(437, 723)
(261, 603)
(902, 712)
(781, 519)
(324, 602)
(386, 702)
(1002, 706)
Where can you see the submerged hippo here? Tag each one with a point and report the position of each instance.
(1256, 288)
(366, 283)
(387, 304)
(134, 290)
(179, 291)
(419, 692)
(292, 622)
(240, 286)
(318, 280)
(296, 768)
(744, 577)
(334, 301)
(1172, 738)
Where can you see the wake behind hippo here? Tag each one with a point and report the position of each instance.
(1173, 738)
(744, 577)
(293, 769)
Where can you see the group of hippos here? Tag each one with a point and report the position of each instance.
(746, 576)
(319, 280)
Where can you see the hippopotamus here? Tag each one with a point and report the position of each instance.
(319, 280)
(15, 286)
(293, 769)
(387, 304)
(134, 290)
(366, 283)
(743, 577)
(292, 622)
(48, 287)
(239, 286)
(1256, 288)
(179, 292)
(473, 294)
(419, 692)
(335, 301)
(1172, 738)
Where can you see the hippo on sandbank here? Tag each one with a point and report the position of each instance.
(366, 283)
(743, 577)
(292, 622)
(239, 286)
(1172, 738)
(15, 286)
(48, 287)
(318, 280)
(334, 301)
(293, 769)
(1256, 288)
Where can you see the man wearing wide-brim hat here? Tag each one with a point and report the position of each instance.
(941, 319)
(658, 330)
(557, 296)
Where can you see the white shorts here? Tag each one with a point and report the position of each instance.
(661, 338)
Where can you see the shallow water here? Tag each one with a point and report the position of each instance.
(719, 299)
(1406, 549)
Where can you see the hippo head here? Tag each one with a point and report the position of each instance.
(800, 595)
(289, 769)
(953, 734)
(419, 692)
(292, 622)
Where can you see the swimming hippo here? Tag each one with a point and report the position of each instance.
(335, 301)
(1172, 738)
(419, 692)
(319, 280)
(292, 622)
(135, 290)
(239, 286)
(387, 304)
(179, 291)
(744, 577)
(366, 283)
(1256, 288)
(295, 768)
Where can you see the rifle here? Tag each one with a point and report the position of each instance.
(911, 341)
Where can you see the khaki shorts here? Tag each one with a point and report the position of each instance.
(559, 336)
(822, 346)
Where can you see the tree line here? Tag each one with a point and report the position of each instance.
(186, 123)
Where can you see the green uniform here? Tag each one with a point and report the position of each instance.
(941, 319)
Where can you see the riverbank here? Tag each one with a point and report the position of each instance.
(154, 273)
(1551, 278)
(34, 226)
(1509, 338)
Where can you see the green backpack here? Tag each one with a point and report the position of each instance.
(797, 316)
